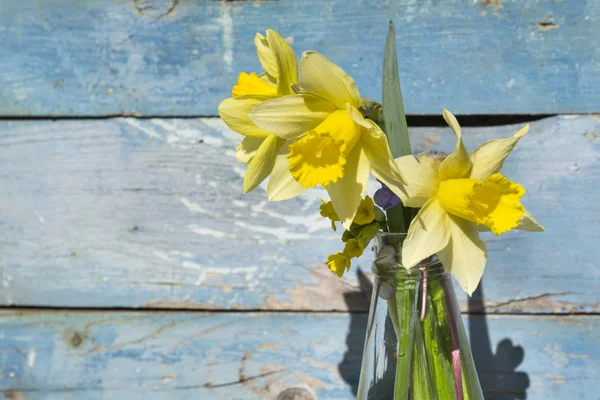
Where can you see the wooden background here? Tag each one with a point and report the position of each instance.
(131, 265)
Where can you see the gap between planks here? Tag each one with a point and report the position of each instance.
(17, 308)
(428, 120)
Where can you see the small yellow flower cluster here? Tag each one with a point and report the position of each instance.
(364, 227)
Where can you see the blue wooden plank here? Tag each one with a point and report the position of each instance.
(149, 213)
(93, 356)
(164, 57)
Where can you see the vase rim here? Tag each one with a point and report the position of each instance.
(431, 264)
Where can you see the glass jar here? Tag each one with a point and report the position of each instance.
(416, 346)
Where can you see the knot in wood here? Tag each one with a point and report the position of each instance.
(296, 394)
(155, 9)
(75, 339)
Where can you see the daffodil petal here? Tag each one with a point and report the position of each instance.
(429, 160)
(378, 151)
(528, 223)
(427, 235)
(282, 185)
(292, 116)
(490, 156)
(458, 164)
(358, 117)
(287, 64)
(262, 162)
(247, 148)
(266, 55)
(235, 113)
(465, 256)
(323, 78)
(421, 178)
(382, 162)
(266, 78)
(346, 193)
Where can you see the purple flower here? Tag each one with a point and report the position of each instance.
(385, 198)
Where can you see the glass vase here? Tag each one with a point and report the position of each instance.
(416, 346)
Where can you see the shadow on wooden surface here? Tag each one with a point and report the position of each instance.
(350, 365)
(498, 373)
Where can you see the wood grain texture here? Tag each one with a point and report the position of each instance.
(180, 58)
(149, 213)
(114, 355)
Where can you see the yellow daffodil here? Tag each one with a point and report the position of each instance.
(264, 152)
(459, 196)
(333, 144)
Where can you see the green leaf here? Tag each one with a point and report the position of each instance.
(394, 117)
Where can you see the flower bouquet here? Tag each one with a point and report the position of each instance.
(305, 124)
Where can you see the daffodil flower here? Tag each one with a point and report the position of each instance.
(458, 197)
(333, 144)
(264, 152)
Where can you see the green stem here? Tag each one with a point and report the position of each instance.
(424, 363)
(439, 363)
(402, 312)
(395, 219)
(405, 311)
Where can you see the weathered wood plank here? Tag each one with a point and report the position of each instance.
(179, 58)
(149, 213)
(83, 355)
